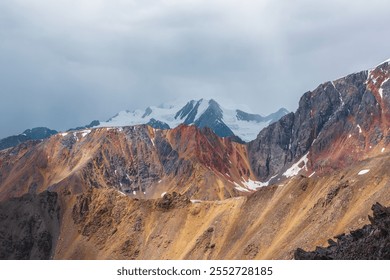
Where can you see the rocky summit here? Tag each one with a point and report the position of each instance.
(235, 124)
(188, 190)
(336, 124)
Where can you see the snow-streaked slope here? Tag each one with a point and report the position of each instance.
(127, 118)
(246, 130)
(195, 112)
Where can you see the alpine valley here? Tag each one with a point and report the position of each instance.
(199, 181)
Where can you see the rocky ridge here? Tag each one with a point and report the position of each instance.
(138, 161)
(336, 124)
(372, 242)
(37, 133)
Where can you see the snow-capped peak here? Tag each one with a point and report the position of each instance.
(202, 113)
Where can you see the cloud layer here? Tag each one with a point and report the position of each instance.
(65, 63)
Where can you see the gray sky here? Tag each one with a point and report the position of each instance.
(65, 63)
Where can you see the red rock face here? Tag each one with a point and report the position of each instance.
(218, 154)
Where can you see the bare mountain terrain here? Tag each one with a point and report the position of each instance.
(143, 193)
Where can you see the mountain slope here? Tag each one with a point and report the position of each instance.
(271, 223)
(139, 161)
(202, 113)
(336, 124)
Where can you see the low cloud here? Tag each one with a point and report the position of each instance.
(65, 63)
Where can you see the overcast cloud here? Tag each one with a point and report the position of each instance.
(65, 63)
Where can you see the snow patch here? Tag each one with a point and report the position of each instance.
(381, 92)
(383, 149)
(134, 192)
(364, 171)
(64, 134)
(349, 136)
(253, 185)
(85, 132)
(295, 169)
(196, 201)
(381, 89)
(241, 189)
(340, 97)
(121, 193)
(369, 73)
(164, 193)
(204, 104)
(360, 129)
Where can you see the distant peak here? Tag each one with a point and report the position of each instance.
(148, 111)
(212, 101)
(283, 110)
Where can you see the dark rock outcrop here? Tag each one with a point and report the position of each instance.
(158, 124)
(92, 124)
(37, 133)
(372, 242)
(212, 118)
(174, 200)
(29, 226)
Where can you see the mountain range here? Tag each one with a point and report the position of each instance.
(236, 124)
(174, 185)
(201, 113)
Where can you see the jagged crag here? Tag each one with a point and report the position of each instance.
(372, 242)
(185, 193)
